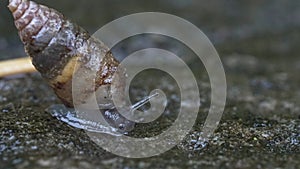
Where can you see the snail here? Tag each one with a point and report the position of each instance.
(58, 48)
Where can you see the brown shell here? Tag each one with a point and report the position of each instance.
(58, 47)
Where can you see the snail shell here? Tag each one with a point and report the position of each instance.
(58, 47)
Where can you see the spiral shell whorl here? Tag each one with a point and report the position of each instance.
(29, 17)
(14, 4)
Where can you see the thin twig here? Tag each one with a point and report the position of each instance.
(16, 66)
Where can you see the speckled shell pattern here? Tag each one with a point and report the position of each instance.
(58, 47)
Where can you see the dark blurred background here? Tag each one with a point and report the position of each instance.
(263, 28)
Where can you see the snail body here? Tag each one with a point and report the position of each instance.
(59, 47)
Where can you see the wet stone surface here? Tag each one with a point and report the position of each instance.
(260, 128)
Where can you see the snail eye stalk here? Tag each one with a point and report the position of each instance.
(142, 102)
